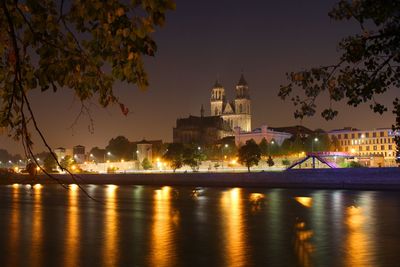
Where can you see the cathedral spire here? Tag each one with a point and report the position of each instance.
(242, 81)
(217, 84)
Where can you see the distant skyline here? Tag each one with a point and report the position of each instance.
(203, 40)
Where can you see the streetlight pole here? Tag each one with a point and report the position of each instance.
(312, 151)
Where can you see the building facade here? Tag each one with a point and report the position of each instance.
(259, 134)
(79, 153)
(236, 113)
(366, 143)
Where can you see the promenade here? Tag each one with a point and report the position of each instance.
(356, 179)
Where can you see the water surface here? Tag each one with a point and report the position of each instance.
(182, 226)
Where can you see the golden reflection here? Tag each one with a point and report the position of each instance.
(162, 238)
(305, 201)
(256, 199)
(72, 230)
(303, 246)
(37, 226)
(15, 226)
(358, 245)
(73, 187)
(233, 227)
(111, 249)
(37, 186)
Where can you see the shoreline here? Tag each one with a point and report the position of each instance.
(352, 179)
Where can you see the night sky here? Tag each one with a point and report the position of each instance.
(203, 40)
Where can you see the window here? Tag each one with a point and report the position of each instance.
(360, 148)
(359, 135)
(382, 147)
(339, 136)
(373, 134)
(366, 135)
(390, 147)
(375, 148)
(367, 148)
(353, 135)
(382, 134)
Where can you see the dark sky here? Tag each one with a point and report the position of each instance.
(200, 41)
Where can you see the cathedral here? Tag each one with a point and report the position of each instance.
(236, 113)
(225, 117)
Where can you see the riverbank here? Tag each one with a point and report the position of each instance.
(357, 178)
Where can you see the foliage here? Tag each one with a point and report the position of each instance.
(174, 155)
(264, 147)
(98, 154)
(352, 164)
(270, 162)
(86, 46)
(5, 156)
(49, 163)
(146, 164)
(285, 162)
(249, 154)
(368, 65)
(67, 162)
(192, 156)
(120, 148)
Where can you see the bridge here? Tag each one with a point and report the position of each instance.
(321, 157)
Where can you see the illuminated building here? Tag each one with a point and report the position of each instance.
(79, 153)
(236, 113)
(366, 143)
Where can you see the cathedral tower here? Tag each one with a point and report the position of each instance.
(242, 105)
(217, 99)
(242, 100)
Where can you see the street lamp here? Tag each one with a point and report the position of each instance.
(270, 143)
(223, 156)
(312, 144)
(108, 154)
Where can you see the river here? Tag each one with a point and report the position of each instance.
(185, 226)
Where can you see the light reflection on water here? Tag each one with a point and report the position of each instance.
(72, 229)
(216, 227)
(162, 231)
(37, 227)
(359, 242)
(233, 223)
(111, 230)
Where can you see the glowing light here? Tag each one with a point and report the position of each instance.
(234, 228)
(16, 169)
(112, 187)
(305, 201)
(108, 161)
(37, 186)
(122, 160)
(73, 187)
(352, 150)
(256, 197)
(38, 168)
(73, 167)
(15, 185)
